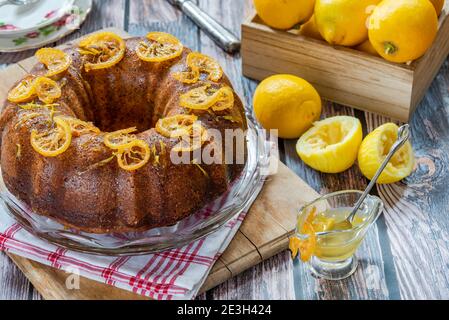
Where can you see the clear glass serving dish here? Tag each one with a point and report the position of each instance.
(242, 193)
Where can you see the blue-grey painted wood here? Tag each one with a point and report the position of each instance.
(404, 256)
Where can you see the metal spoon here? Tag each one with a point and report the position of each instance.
(403, 136)
(17, 2)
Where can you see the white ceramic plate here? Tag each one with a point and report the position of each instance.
(22, 19)
(44, 35)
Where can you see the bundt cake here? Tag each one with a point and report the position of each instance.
(87, 137)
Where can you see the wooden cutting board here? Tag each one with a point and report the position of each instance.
(263, 234)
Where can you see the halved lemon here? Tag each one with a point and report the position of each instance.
(102, 50)
(133, 155)
(160, 46)
(23, 91)
(206, 64)
(176, 126)
(331, 145)
(54, 141)
(374, 149)
(120, 138)
(47, 90)
(56, 61)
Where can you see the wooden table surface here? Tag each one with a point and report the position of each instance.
(405, 255)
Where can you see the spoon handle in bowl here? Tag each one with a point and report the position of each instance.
(403, 136)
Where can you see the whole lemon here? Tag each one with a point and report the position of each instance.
(343, 22)
(403, 30)
(309, 29)
(284, 14)
(438, 4)
(287, 103)
(367, 47)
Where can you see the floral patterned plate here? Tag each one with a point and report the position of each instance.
(46, 34)
(22, 19)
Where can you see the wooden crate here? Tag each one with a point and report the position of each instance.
(341, 74)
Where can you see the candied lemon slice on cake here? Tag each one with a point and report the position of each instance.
(23, 91)
(102, 50)
(120, 138)
(375, 148)
(206, 64)
(160, 46)
(197, 136)
(80, 127)
(54, 141)
(331, 145)
(305, 247)
(133, 155)
(189, 77)
(225, 99)
(201, 98)
(47, 90)
(55, 60)
(176, 126)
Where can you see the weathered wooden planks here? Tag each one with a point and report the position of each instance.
(416, 210)
(407, 253)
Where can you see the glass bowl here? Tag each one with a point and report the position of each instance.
(333, 255)
(239, 196)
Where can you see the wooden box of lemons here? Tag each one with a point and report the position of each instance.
(287, 103)
(284, 14)
(403, 30)
(343, 22)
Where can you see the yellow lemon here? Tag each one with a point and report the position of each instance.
(375, 148)
(287, 103)
(403, 30)
(309, 29)
(331, 145)
(284, 14)
(343, 22)
(367, 47)
(438, 4)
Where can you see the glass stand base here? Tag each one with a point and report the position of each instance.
(333, 270)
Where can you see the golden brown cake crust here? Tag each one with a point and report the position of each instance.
(104, 199)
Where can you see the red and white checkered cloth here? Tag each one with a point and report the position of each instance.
(173, 274)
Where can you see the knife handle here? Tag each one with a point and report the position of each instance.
(224, 38)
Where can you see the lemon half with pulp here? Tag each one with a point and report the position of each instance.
(331, 145)
(375, 148)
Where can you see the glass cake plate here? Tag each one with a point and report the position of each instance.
(216, 214)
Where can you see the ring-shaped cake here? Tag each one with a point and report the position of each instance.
(87, 136)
